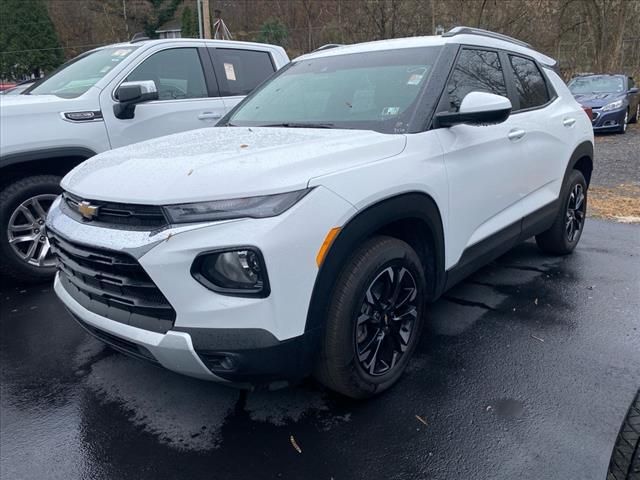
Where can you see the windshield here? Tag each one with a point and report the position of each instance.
(78, 75)
(597, 84)
(372, 91)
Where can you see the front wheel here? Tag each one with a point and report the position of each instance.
(625, 123)
(625, 458)
(374, 319)
(24, 247)
(565, 233)
(636, 117)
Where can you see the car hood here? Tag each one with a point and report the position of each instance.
(225, 162)
(597, 100)
(18, 105)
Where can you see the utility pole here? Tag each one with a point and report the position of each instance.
(206, 19)
(199, 8)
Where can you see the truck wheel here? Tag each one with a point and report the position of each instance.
(625, 458)
(565, 233)
(24, 247)
(374, 319)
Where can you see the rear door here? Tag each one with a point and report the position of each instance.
(548, 124)
(483, 163)
(187, 90)
(239, 71)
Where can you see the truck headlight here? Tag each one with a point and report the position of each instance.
(240, 271)
(612, 106)
(251, 207)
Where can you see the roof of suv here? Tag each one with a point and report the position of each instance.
(460, 35)
(219, 43)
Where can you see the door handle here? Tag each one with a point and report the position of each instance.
(209, 116)
(516, 135)
(569, 122)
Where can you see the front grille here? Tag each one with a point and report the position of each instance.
(111, 284)
(118, 215)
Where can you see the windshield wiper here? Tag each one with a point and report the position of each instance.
(300, 125)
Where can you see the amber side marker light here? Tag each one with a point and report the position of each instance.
(326, 245)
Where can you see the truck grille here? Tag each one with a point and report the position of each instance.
(111, 284)
(117, 215)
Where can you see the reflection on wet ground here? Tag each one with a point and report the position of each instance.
(523, 367)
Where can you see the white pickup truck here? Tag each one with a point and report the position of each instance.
(103, 99)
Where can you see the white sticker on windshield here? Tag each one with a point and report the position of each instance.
(121, 53)
(386, 111)
(415, 79)
(229, 71)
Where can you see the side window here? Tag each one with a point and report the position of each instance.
(177, 73)
(632, 84)
(530, 84)
(475, 71)
(241, 70)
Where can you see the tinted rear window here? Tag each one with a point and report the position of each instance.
(530, 84)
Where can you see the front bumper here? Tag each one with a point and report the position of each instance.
(609, 120)
(237, 340)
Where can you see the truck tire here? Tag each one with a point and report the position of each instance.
(24, 247)
(374, 319)
(625, 458)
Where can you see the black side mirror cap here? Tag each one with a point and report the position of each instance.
(633, 90)
(492, 117)
(129, 94)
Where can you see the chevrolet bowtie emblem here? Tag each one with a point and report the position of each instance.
(87, 210)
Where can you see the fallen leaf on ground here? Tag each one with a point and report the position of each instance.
(422, 420)
(295, 444)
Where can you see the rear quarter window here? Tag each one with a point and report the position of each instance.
(240, 71)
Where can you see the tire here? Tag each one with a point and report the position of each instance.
(41, 189)
(353, 322)
(625, 458)
(625, 123)
(558, 240)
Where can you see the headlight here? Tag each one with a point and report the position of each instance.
(612, 106)
(252, 207)
(239, 271)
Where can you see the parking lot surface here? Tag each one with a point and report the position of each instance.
(525, 371)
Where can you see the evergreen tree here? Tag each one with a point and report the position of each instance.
(28, 42)
(273, 31)
(189, 24)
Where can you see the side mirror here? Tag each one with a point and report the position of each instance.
(129, 94)
(633, 90)
(477, 108)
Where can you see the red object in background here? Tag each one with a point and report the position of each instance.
(6, 86)
(588, 111)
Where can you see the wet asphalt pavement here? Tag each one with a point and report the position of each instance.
(526, 371)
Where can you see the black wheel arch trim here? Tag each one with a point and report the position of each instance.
(584, 150)
(46, 153)
(407, 206)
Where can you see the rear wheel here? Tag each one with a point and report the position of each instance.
(374, 319)
(565, 233)
(24, 247)
(636, 117)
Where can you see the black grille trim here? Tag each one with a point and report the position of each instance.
(117, 343)
(123, 216)
(111, 284)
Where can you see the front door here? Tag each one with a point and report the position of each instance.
(186, 101)
(482, 162)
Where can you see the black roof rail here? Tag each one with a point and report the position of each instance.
(485, 33)
(328, 46)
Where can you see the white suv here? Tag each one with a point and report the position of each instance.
(106, 98)
(307, 232)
